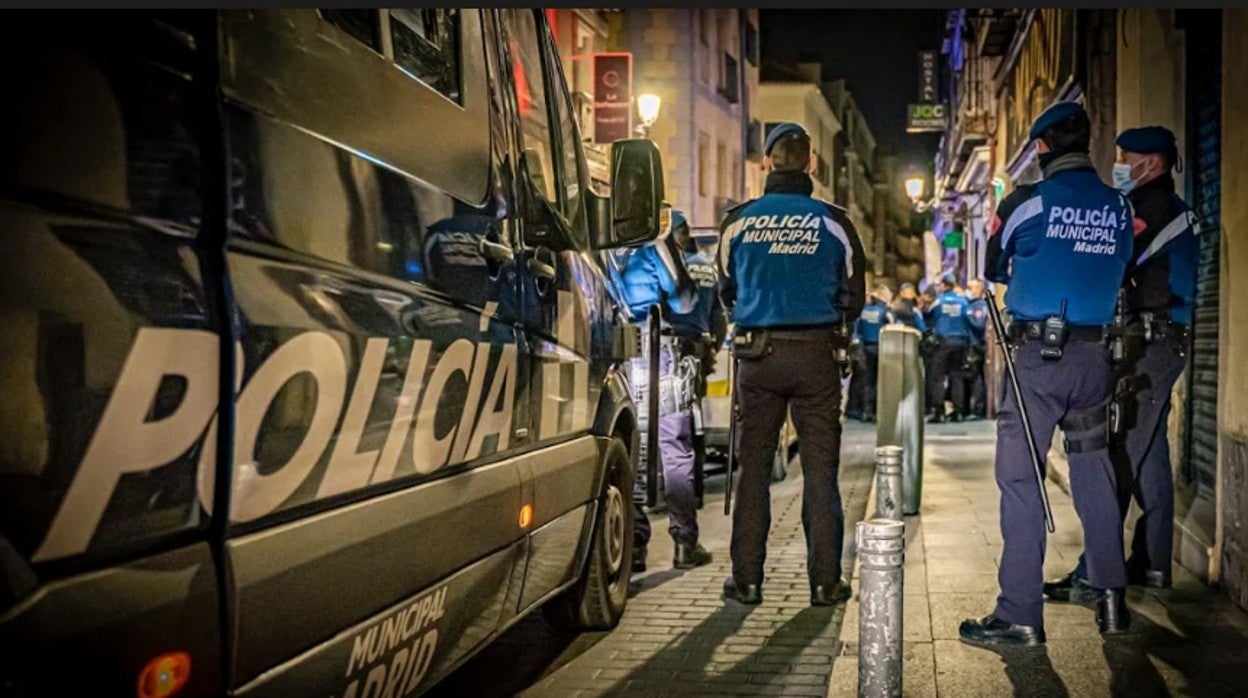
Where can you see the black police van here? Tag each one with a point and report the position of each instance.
(310, 371)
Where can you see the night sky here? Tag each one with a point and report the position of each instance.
(876, 51)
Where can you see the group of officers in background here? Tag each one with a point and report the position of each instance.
(1101, 285)
(951, 320)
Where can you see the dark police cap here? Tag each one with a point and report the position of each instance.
(1147, 140)
(1054, 115)
(787, 128)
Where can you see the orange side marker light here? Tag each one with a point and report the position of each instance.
(165, 675)
(526, 515)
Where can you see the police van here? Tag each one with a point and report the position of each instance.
(311, 376)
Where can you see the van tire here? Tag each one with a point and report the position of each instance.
(597, 600)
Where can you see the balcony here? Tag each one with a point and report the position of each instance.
(973, 103)
(997, 30)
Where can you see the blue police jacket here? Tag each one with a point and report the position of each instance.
(977, 318)
(907, 313)
(650, 275)
(949, 316)
(875, 315)
(700, 317)
(1065, 239)
(789, 260)
(1162, 277)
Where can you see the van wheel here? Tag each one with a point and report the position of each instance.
(597, 601)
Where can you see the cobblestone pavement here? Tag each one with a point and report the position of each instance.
(678, 636)
(1186, 641)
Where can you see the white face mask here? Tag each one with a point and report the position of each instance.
(1123, 181)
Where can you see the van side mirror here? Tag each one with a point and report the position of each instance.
(636, 203)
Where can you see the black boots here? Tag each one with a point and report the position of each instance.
(991, 631)
(639, 559)
(1112, 616)
(1070, 589)
(749, 594)
(1140, 576)
(830, 594)
(690, 555)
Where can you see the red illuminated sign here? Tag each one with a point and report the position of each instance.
(613, 96)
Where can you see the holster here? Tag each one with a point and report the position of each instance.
(751, 345)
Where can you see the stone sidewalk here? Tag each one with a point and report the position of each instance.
(1185, 641)
(678, 636)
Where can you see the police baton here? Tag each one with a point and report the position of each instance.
(1037, 461)
(653, 396)
(732, 426)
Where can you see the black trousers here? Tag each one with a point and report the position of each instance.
(862, 383)
(946, 365)
(801, 378)
(1074, 386)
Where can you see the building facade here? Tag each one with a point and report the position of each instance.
(703, 65)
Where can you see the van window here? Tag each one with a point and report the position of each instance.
(530, 87)
(426, 46)
(570, 171)
(361, 24)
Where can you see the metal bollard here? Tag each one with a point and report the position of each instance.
(882, 555)
(888, 492)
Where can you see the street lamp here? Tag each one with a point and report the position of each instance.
(914, 188)
(648, 109)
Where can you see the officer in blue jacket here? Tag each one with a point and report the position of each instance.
(1062, 245)
(906, 308)
(1160, 292)
(862, 384)
(699, 335)
(649, 276)
(953, 335)
(977, 319)
(791, 272)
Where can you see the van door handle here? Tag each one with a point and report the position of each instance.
(495, 251)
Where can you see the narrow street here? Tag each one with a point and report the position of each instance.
(678, 636)
(1189, 640)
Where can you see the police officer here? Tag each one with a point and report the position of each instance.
(977, 319)
(651, 275)
(906, 308)
(791, 273)
(1160, 294)
(866, 341)
(1062, 245)
(953, 334)
(699, 335)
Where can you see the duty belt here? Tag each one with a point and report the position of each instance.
(1022, 331)
(821, 333)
